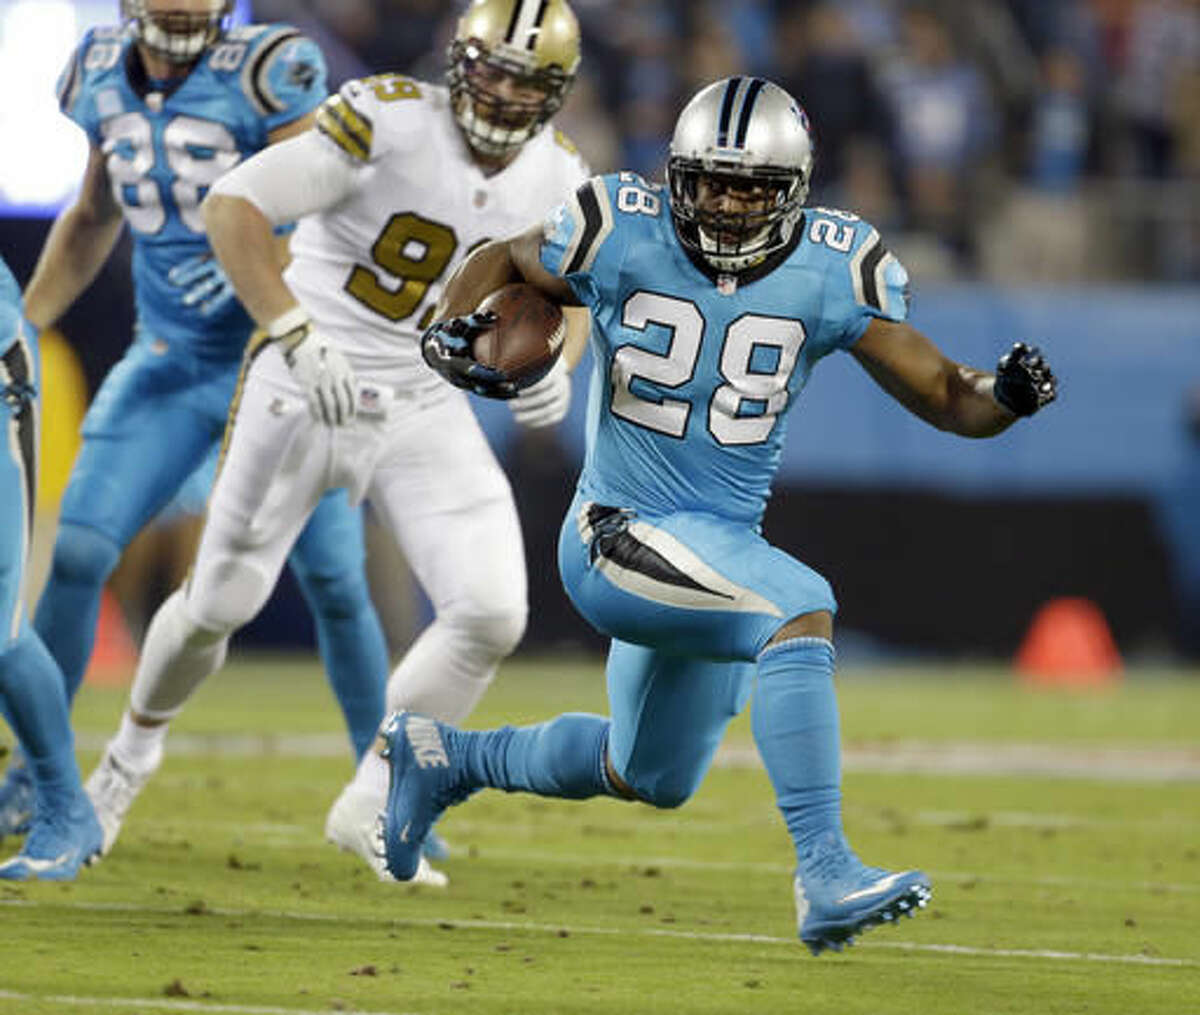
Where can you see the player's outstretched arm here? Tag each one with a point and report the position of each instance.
(960, 399)
(79, 243)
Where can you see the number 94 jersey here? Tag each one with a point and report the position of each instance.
(165, 147)
(694, 371)
(370, 267)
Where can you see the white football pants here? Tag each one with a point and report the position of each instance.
(426, 467)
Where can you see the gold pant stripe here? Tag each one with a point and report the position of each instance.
(259, 340)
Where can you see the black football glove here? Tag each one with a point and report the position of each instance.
(448, 347)
(1024, 381)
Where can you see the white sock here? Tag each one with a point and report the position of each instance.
(140, 747)
(443, 674)
(373, 775)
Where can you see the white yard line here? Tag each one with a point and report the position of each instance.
(629, 932)
(166, 1004)
(291, 836)
(1122, 764)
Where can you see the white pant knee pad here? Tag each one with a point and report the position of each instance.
(486, 636)
(225, 594)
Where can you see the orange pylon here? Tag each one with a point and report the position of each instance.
(115, 655)
(1069, 644)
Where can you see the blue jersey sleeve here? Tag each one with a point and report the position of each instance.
(864, 280)
(290, 75)
(579, 242)
(10, 308)
(98, 52)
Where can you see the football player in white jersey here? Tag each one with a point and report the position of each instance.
(397, 181)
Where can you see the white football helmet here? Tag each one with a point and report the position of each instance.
(744, 133)
(178, 36)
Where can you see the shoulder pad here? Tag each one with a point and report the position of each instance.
(281, 71)
(579, 226)
(563, 141)
(877, 280)
(98, 51)
(573, 156)
(348, 118)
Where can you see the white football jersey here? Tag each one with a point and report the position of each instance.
(370, 269)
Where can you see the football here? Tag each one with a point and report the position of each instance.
(528, 334)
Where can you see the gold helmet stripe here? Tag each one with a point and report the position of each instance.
(526, 22)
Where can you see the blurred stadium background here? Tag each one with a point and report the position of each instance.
(1035, 165)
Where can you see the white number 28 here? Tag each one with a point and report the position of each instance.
(745, 385)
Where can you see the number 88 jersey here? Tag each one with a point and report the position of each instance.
(165, 144)
(694, 371)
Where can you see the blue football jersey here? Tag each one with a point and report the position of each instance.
(10, 309)
(166, 144)
(694, 372)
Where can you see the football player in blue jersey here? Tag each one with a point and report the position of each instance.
(171, 100)
(712, 301)
(65, 833)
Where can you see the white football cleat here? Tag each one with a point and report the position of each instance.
(353, 826)
(112, 788)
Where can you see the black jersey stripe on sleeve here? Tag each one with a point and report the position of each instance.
(262, 93)
(17, 375)
(593, 219)
(867, 273)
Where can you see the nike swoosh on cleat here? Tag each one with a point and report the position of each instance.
(875, 889)
(404, 832)
(41, 866)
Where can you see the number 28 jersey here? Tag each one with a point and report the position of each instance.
(370, 268)
(165, 145)
(694, 373)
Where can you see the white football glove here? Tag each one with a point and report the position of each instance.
(546, 402)
(319, 368)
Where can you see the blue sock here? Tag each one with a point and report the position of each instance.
(352, 647)
(70, 605)
(560, 758)
(795, 723)
(36, 705)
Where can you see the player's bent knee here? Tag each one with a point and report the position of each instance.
(818, 624)
(225, 595)
(664, 794)
(83, 556)
(664, 790)
(495, 633)
(339, 595)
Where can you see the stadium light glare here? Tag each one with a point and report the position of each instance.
(44, 154)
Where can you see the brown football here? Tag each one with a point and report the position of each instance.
(528, 334)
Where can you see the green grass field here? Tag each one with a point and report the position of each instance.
(1062, 832)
